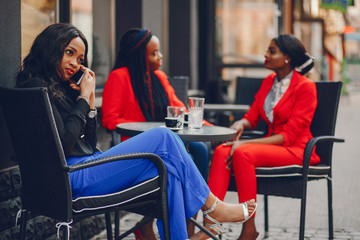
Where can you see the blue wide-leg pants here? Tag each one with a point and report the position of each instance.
(187, 190)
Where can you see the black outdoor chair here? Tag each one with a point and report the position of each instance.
(181, 87)
(291, 181)
(45, 174)
(246, 88)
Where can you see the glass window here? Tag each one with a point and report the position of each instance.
(244, 29)
(36, 15)
(94, 19)
(82, 18)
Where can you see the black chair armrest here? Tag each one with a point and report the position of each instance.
(126, 156)
(159, 163)
(310, 147)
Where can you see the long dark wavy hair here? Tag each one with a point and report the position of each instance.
(148, 90)
(289, 45)
(46, 53)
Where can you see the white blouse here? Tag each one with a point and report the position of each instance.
(277, 91)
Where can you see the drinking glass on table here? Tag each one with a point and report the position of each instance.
(176, 112)
(196, 112)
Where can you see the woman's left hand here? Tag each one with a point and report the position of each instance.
(234, 145)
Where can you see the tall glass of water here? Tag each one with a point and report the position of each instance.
(196, 112)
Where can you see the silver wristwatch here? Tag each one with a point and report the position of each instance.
(92, 113)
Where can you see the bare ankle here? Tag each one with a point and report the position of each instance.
(249, 230)
(248, 236)
(147, 231)
(209, 202)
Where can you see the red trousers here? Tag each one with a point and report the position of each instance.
(245, 159)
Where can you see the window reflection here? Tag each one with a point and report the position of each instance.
(93, 18)
(36, 15)
(244, 29)
(82, 18)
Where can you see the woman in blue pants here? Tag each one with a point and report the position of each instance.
(186, 187)
(56, 55)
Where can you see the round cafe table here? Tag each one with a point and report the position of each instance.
(204, 134)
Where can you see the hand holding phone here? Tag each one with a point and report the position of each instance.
(77, 77)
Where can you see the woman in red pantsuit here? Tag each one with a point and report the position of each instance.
(286, 100)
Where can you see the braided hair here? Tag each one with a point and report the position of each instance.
(289, 45)
(149, 92)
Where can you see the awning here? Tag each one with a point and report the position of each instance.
(340, 5)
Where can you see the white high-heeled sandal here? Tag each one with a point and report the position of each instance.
(216, 227)
(246, 212)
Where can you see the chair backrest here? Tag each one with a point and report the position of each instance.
(246, 88)
(38, 150)
(181, 86)
(323, 123)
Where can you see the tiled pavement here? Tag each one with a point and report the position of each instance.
(284, 213)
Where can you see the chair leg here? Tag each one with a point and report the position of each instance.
(165, 216)
(330, 210)
(302, 218)
(140, 224)
(23, 225)
(202, 228)
(266, 216)
(108, 226)
(117, 223)
(66, 233)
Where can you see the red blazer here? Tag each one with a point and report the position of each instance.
(119, 104)
(292, 115)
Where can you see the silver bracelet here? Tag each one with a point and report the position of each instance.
(83, 97)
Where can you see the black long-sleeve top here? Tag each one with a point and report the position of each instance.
(77, 131)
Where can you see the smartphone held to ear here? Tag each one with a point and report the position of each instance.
(77, 77)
